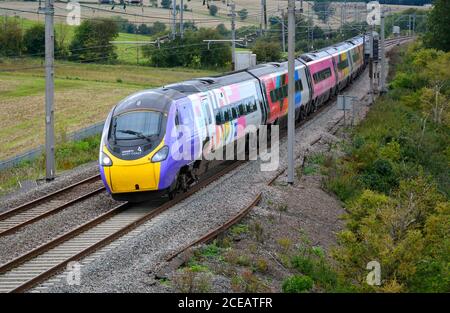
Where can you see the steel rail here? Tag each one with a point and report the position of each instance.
(24, 215)
(22, 207)
(42, 271)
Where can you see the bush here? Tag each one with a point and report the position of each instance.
(34, 40)
(174, 52)
(297, 284)
(166, 4)
(213, 9)
(243, 14)
(399, 213)
(267, 51)
(439, 26)
(91, 42)
(10, 37)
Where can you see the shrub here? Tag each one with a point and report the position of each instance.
(10, 37)
(243, 14)
(174, 52)
(213, 9)
(267, 51)
(34, 40)
(91, 42)
(297, 284)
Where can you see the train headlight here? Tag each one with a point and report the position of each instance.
(105, 160)
(161, 155)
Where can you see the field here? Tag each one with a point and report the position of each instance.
(197, 12)
(84, 93)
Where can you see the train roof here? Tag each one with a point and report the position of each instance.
(356, 40)
(154, 99)
(265, 69)
(314, 56)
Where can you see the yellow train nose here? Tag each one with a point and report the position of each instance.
(132, 175)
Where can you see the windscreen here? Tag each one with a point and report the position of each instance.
(137, 125)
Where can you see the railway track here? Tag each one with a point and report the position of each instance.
(50, 258)
(35, 266)
(241, 214)
(396, 41)
(35, 210)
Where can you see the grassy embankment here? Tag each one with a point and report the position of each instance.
(393, 180)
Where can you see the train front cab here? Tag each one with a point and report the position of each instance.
(133, 151)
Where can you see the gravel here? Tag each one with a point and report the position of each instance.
(63, 179)
(128, 267)
(42, 231)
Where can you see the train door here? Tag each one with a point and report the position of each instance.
(187, 128)
(305, 91)
(208, 118)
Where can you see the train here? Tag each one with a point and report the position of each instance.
(141, 132)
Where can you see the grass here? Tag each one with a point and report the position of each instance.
(68, 156)
(84, 94)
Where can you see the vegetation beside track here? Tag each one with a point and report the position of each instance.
(395, 184)
(69, 154)
(391, 174)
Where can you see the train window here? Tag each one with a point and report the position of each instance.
(343, 64)
(284, 91)
(249, 108)
(177, 119)
(137, 125)
(278, 94)
(244, 108)
(219, 117)
(234, 113)
(298, 85)
(255, 106)
(322, 75)
(241, 109)
(273, 96)
(226, 115)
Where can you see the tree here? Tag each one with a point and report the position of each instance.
(91, 42)
(222, 30)
(173, 53)
(10, 37)
(34, 40)
(243, 14)
(154, 3)
(438, 35)
(323, 9)
(213, 9)
(158, 27)
(144, 29)
(166, 4)
(267, 51)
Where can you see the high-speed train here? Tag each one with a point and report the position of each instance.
(142, 131)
